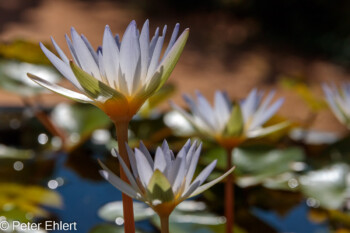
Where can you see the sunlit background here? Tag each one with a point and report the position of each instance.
(297, 180)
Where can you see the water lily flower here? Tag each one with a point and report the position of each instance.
(225, 121)
(121, 74)
(339, 101)
(166, 180)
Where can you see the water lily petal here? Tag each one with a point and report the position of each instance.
(144, 48)
(144, 150)
(60, 90)
(61, 66)
(59, 51)
(130, 54)
(117, 182)
(126, 171)
(72, 50)
(110, 57)
(132, 160)
(210, 184)
(86, 60)
(173, 56)
(91, 49)
(192, 166)
(261, 132)
(143, 167)
(159, 160)
(173, 39)
(267, 114)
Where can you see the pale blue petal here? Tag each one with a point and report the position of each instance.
(130, 54)
(143, 167)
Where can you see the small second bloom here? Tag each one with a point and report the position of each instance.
(166, 180)
(225, 121)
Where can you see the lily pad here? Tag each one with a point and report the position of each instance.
(254, 164)
(328, 186)
(14, 77)
(79, 121)
(113, 210)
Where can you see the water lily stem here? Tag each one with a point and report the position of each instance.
(128, 211)
(229, 195)
(164, 224)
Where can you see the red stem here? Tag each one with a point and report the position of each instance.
(128, 211)
(229, 195)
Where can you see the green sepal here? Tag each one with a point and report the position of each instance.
(235, 125)
(95, 88)
(172, 57)
(159, 188)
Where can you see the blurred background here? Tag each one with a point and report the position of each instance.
(234, 45)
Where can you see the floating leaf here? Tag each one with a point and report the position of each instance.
(113, 210)
(79, 120)
(14, 77)
(327, 186)
(255, 164)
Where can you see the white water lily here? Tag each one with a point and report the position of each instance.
(166, 180)
(225, 120)
(339, 101)
(120, 75)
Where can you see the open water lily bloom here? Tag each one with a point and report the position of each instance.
(166, 180)
(339, 101)
(225, 121)
(121, 74)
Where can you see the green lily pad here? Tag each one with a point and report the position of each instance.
(328, 186)
(254, 164)
(113, 210)
(14, 77)
(79, 120)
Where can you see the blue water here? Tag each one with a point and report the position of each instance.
(82, 198)
(296, 221)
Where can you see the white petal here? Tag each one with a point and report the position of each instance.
(144, 150)
(260, 120)
(159, 161)
(59, 51)
(155, 58)
(126, 171)
(169, 157)
(206, 111)
(153, 42)
(110, 58)
(173, 171)
(181, 172)
(143, 167)
(132, 160)
(130, 54)
(72, 51)
(117, 182)
(60, 90)
(173, 39)
(222, 110)
(91, 49)
(62, 67)
(210, 184)
(84, 56)
(192, 166)
(205, 173)
(249, 105)
(144, 48)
